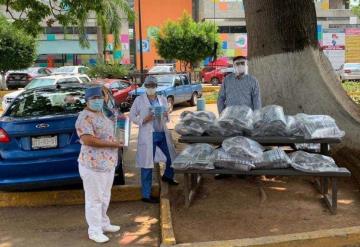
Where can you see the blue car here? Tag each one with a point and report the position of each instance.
(38, 141)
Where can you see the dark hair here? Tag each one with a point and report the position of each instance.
(239, 57)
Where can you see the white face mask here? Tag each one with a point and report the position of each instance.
(239, 70)
(151, 91)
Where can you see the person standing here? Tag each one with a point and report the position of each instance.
(239, 88)
(97, 161)
(149, 112)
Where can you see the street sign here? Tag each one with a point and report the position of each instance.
(145, 46)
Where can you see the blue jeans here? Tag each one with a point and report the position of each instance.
(159, 140)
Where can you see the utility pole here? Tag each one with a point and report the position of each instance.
(140, 44)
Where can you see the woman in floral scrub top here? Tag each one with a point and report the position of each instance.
(97, 160)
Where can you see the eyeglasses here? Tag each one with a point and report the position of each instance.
(238, 63)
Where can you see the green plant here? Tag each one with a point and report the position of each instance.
(114, 71)
(353, 90)
(187, 41)
(17, 49)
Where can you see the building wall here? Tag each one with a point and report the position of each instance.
(154, 13)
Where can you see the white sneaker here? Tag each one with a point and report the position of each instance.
(111, 228)
(99, 238)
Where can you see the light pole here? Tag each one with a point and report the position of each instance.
(140, 45)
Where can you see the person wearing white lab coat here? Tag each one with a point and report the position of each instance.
(97, 161)
(149, 112)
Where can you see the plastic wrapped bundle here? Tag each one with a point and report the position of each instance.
(293, 127)
(215, 129)
(197, 156)
(184, 113)
(270, 121)
(243, 148)
(224, 160)
(311, 147)
(237, 119)
(319, 126)
(191, 129)
(203, 118)
(274, 159)
(309, 162)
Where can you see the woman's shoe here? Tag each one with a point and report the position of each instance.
(169, 180)
(151, 200)
(99, 238)
(111, 228)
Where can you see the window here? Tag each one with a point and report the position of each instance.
(123, 85)
(232, 29)
(185, 80)
(48, 102)
(114, 85)
(40, 82)
(177, 81)
(82, 70)
(68, 80)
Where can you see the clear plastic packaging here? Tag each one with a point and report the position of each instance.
(270, 121)
(203, 118)
(319, 126)
(215, 129)
(274, 159)
(191, 129)
(243, 148)
(308, 162)
(293, 127)
(224, 160)
(237, 119)
(197, 156)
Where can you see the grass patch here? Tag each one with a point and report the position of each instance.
(211, 97)
(353, 90)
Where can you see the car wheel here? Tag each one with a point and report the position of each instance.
(193, 100)
(214, 81)
(170, 103)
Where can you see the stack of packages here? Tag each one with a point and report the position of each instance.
(270, 121)
(194, 123)
(197, 156)
(308, 162)
(236, 119)
(238, 153)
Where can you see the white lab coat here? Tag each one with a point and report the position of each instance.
(144, 155)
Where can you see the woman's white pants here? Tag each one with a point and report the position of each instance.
(97, 186)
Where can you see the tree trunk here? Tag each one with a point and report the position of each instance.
(100, 42)
(293, 73)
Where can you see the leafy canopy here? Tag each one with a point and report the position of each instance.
(29, 14)
(17, 49)
(186, 40)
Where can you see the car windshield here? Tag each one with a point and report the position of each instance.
(48, 102)
(165, 80)
(352, 66)
(68, 69)
(40, 82)
(158, 69)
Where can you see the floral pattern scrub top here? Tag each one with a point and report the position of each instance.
(99, 126)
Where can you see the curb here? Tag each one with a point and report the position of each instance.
(341, 237)
(68, 197)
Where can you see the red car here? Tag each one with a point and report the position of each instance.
(215, 75)
(120, 90)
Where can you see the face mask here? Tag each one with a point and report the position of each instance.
(239, 69)
(151, 91)
(96, 104)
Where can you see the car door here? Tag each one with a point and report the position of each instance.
(84, 79)
(179, 90)
(186, 87)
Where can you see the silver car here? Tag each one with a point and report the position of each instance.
(350, 72)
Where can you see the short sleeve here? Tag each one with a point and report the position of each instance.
(84, 125)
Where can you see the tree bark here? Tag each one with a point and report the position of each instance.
(294, 73)
(3, 82)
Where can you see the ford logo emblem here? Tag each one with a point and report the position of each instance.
(42, 126)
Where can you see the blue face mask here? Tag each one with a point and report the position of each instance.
(96, 104)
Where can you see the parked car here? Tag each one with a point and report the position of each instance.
(45, 81)
(70, 70)
(350, 72)
(177, 88)
(39, 145)
(216, 75)
(20, 78)
(120, 90)
(158, 69)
